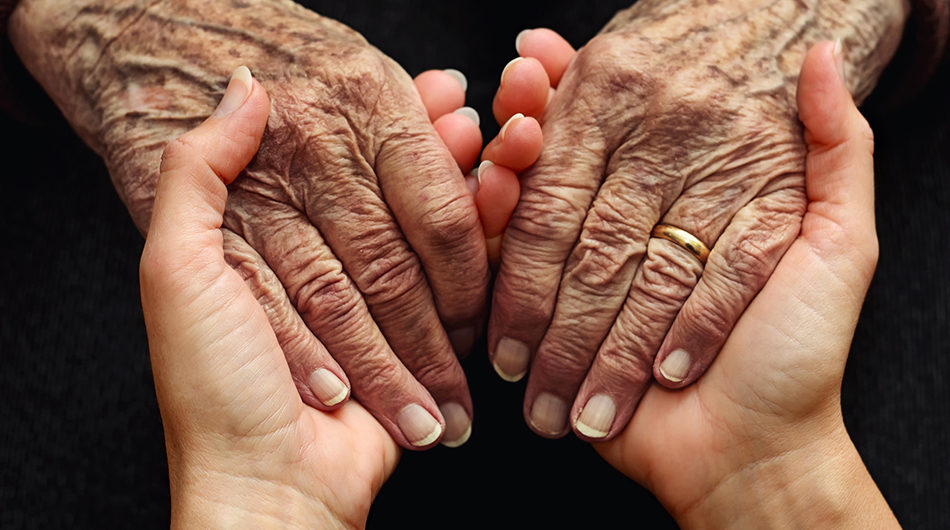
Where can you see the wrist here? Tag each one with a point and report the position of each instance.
(760, 44)
(131, 75)
(821, 483)
(203, 498)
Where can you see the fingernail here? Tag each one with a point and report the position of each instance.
(519, 38)
(507, 66)
(597, 416)
(458, 76)
(675, 366)
(549, 414)
(481, 168)
(239, 88)
(469, 113)
(504, 128)
(327, 387)
(458, 426)
(418, 425)
(462, 340)
(511, 359)
(839, 60)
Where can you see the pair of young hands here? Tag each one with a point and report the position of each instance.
(759, 438)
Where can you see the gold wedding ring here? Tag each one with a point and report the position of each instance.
(684, 239)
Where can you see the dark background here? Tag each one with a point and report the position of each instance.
(81, 441)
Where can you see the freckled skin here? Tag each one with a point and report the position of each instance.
(327, 224)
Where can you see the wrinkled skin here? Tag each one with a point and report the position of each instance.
(353, 226)
(760, 441)
(683, 113)
(242, 445)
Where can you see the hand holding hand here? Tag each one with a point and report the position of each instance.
(241, 444)
(678, 114)
(353, 227)
(759, 440)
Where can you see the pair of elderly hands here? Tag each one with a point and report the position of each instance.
(757, 442)
(355, 230)
(358, 235)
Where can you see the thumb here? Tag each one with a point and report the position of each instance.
(184, 254)
(196, 167)
(839, 176)
(212, 347)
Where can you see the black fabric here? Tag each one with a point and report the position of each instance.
(81, 441)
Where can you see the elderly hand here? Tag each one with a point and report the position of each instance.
(759, 441)
(353, 227)
(242, 447)
(679, 113)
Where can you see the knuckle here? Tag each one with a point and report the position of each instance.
(522, 303)
(618, 74)
(391, 277)
(369, 85)
(449, 224)
(260, 280)
(355, 91)
(438, 374)
(545, 215)
(668, 279)
(620, 363)
(300, 348)
(326, 292)
(749, 260)
(247, 268)
(368, 64)
(604, 53)
(381, 380)
(704, 318)
(610, 243)
(178, 152)
(597, 267)
(264, 286)
(365, 72)
(562, 364)
(243, 262)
